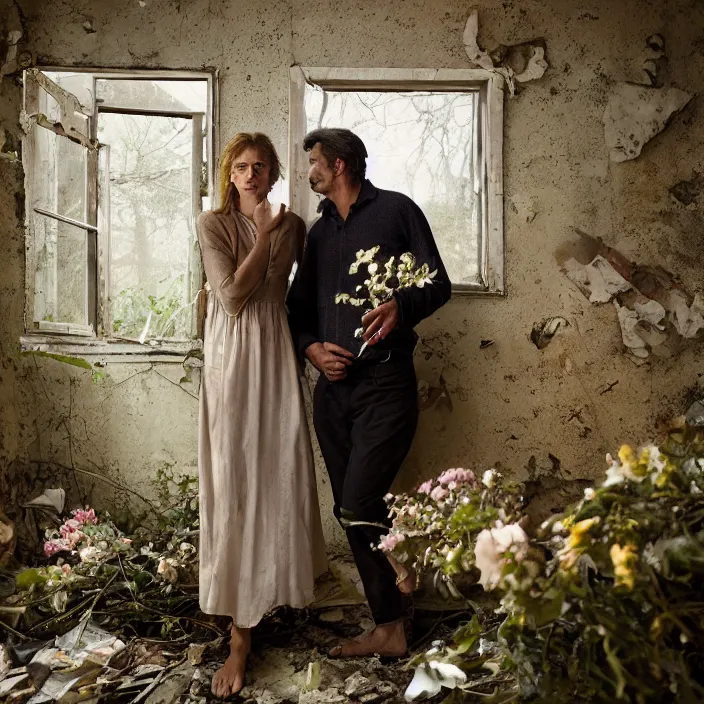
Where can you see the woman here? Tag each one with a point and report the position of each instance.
(261, 541)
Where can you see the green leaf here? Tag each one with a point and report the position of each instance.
(616, 668)
(73, 361)
(29, 577)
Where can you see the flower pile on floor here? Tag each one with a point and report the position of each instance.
(602, 603)
(145, 584)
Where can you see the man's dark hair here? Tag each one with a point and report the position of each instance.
(338, 143)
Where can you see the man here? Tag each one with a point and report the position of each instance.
(365, 409)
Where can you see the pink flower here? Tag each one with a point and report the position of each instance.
(458, 476)
(491, 548)
(69, 526)
(439, 493)
(126, 541)
(85, 516)
(425, 487)
(56, 545)
(389, 542)
(66, 568)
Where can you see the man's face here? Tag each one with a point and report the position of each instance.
(320, 174)
(251, 174)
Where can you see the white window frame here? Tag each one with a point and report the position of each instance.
(489, 183)
(94, 340)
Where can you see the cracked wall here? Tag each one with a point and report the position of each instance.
(502, 401)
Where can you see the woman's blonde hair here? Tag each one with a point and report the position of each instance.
(241, 141)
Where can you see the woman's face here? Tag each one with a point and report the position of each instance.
(251, 174)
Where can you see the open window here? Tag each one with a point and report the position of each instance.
(435, 135)
(118, 166)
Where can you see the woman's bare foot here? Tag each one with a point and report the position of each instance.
(388, 640)
(405, 576)
(229, 679)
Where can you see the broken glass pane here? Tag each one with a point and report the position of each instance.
(159, 96)
(60, 273)
(59, 174)
(78, 84)
(151, 224)
(421, 144)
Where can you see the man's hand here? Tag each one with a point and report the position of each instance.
(331, 360)
(381, 321)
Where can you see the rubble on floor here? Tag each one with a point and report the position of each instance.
(288, 664)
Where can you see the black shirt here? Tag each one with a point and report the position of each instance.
(385, 218)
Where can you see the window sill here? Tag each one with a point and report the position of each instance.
(117, 351)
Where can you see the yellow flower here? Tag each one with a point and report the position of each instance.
(626, 454)
(568, 522)
(579, 531)
(624, 561)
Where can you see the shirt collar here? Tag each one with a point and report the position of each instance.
(366, 193)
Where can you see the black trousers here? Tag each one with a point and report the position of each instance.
(365, 426)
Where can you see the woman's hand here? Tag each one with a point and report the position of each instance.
(264, 219)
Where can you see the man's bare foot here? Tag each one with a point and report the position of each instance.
(388, 640)
(229, 679)
(405, 576)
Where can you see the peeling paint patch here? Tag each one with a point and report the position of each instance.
(432, 389)
(641, 329)
(652, 310)
(543, 332)
(516, 63)
(687, 192)
(598, 280)
(7, 155)
(636, 113)
(525, 207)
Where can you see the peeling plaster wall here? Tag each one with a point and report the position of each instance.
(11, 256)
(530, 411)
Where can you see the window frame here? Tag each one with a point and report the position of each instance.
(95, 339)
(489, 86)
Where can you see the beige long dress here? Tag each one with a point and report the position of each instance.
(261, 541)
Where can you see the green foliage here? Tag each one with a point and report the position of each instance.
(145, 583)
(64, 359)
(603, 604)
(133, 307)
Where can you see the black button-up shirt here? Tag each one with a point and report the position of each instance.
(385, 218)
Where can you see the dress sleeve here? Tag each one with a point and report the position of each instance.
(233, 289)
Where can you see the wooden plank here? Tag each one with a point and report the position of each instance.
(495, 185)
(300, 197)
(196, 275)
(103, 312)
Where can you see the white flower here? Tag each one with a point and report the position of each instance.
(167, 570)
(488, 478)
(589, 494)
(431, 677)
(656, 460)
(89, 554)
(491, 548)
(614, 475)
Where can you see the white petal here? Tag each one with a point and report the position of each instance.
(424, 684)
